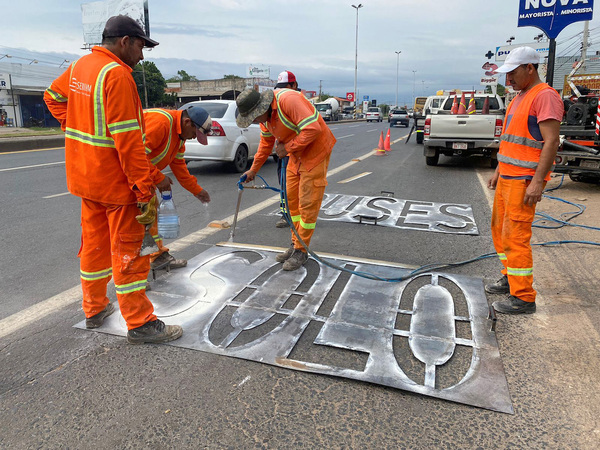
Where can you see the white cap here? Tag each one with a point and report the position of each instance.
(518, 56)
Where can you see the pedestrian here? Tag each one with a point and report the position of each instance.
(291, 123)
(97, 104)
(285, 80)
(529, 142)
(166, 133)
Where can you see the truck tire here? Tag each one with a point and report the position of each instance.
(420, 136)
(433, 160)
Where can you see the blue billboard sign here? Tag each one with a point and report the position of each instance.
(552, 16)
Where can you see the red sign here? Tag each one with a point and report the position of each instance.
(350, 96)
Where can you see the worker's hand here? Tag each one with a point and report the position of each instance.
(148, 212)
(203, 196)
(533, 193)
(280, 150)
(493, 181)
(165, 184)
(249, 174)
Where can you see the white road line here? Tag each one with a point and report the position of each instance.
(57, 195)
(30, 167)
(41, 310)
(343, 137)
(355, 177)
(370, 131)
(353, 126)
(29, 151)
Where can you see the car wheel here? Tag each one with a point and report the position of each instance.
(240, 160)
(433, 160)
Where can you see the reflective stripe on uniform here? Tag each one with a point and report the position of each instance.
(56, 96)
(311, 119)
(307, 226)
(265, 134)
(98, 141)
(131, 287)
(519, 272)
(91, 276)
(124, 126)
(502, 256)
(517, 162)
(296, 218)
(162, 154)
(520, 140)
(100, 114)
(287, 122)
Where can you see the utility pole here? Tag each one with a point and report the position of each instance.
(360, 5)
(320, 86)
(397, 67)
(584, 45)
(144, 83)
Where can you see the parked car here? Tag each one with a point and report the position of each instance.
(374, 113)
(398, 116)
(226, 141)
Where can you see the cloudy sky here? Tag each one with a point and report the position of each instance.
(442, 42)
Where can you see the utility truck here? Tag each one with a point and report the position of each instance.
(329, 109)
(464, 134)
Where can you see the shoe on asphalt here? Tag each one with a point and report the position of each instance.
(154, 332)
(98, 319)
(499, 287)
(514, 305)
(281, 223)
(297, 259)
(283, 257)
(165, 258)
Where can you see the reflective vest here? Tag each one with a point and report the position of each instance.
(520, 150)
(97, 104)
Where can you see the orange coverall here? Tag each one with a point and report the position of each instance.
(165, 148)
(97, 104)
(308, 140)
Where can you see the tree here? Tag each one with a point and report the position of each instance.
(231, 77)
(155, 83)
(182, 75)
(500, 90)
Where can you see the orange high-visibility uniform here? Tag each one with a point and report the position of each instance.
(518, 158)
(308, 140)
(97, 104)
(165, 148)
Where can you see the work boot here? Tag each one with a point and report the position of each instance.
(281, 223)
(514, 305)
(165, 258)
(154, 332)
(98, 319)
(283, 257)
(297, 259)
(499, 287)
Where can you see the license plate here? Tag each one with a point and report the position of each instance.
(590, 164)
(459, 146)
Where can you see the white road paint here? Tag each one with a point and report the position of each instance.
(244, 381)
(41, 310)
(31, 167)
(347, 136)
(370, 131)
(355, 177)
(56, 195)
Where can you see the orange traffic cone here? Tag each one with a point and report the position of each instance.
(454, 109)
(472, 108)
(486, 106)
(386, 143)
(380, 150)
(462, 108)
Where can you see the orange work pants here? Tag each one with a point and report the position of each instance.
(305, 191)
(110, 247)
(159, 241)
(511, 232)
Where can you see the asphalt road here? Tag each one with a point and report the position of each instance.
(66, 388)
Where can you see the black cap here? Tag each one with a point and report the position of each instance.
(119, 26)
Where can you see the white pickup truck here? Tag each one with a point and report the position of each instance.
(464, 134)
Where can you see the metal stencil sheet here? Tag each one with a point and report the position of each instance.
(429, 335)
(450, 218)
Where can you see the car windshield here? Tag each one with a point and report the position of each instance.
(323, 107)
(399, 111)
(373, 110)
(215, 110)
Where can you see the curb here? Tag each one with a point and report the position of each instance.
(31, 143)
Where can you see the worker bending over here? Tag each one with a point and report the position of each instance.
(97, 104)
(528, 147)
(166, 133)
(291, 123)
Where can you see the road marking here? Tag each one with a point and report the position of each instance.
(57, 195)
(398, 140)
(370, 131)
(41, 310)
(355, 177)
(343, 137)
(28, 151)
(30, 167)
(353, 126)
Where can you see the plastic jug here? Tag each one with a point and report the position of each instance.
(168, 219)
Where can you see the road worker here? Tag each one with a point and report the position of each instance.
(529, 142)
(291, 123)
(166, 133)
(97, 104)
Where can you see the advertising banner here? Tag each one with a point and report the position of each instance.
(255, 71)
(4, 81)
(95, 14)
(552, 16)
(541, 47)
(350, 96)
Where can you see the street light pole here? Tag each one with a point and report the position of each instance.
(397, 67)
(414, 81)
(356, 57)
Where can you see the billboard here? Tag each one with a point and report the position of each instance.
(255, 71)
(552, 16)
(4, 81)
(95, 14)
(542, 48)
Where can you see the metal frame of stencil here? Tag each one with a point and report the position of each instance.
(429, 335)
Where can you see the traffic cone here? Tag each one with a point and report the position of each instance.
(472, 108)
(462, 108)
(386, 143)
(454, 108)
(380, 150)
(486, 106)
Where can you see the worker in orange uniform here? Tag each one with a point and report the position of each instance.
(166, 133)
(291, 123)
(97, 104)
(529, 142)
